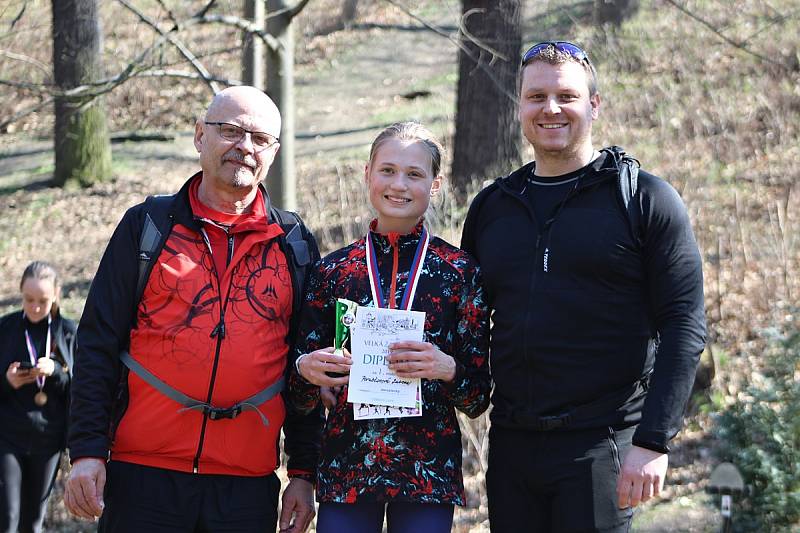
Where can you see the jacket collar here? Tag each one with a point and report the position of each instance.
(384, 241)
(603, 168)
(181, 207)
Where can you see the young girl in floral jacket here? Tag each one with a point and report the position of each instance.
(406, 467)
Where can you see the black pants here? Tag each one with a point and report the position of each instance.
(25, 485)
(556, 481)
(141, 498)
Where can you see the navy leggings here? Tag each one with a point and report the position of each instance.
(401, 517)
(25, 485)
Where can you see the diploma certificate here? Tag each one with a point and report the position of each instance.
(371, 381)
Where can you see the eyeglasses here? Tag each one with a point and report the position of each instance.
(233, 133)
(562, 46)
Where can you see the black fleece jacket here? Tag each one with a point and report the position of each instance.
(582, 311)
(26, 427)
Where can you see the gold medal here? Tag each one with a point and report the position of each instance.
(40, 398)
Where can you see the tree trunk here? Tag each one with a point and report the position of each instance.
(82, 148)
(614, 12)
(487, 136)
(280, 87)
(349, 10)
(253, 64)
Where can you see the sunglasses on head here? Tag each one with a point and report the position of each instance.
(562, 46)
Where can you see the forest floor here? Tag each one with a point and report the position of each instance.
(343, 100)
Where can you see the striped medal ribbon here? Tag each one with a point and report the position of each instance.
(413, 274)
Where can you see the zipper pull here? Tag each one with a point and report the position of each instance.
(219, 329)
(230, 249)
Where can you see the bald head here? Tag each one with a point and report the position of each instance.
(260, 111)
(235, 155)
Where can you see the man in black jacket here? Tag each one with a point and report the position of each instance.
(598, 319)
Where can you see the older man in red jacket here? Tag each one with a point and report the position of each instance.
(211, 325)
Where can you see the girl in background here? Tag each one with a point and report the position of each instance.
(36, 349)
(408, 468)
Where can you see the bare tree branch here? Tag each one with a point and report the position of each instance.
(741, 45)
(27, 111)
(480, 44)
(25, 85)
(295, 10)
(289, 12)
(167, 73)
(185, 52)
(242, 24)
(202, 12)
(31, 61)
(18, 17)
(136, 67)
(779, 19)
(457, 42)
(94, 89)
(170, 15)
(87, 91)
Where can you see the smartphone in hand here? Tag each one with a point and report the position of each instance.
(25, 365)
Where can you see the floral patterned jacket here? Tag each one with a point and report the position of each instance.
(413, 459)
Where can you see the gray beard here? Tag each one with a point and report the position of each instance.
(242, 178)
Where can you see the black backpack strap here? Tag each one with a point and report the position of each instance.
(295, 238)
(627, 187)
(299, 256)
(155, 230)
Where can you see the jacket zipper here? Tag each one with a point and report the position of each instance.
(219, 333)
(544, 234)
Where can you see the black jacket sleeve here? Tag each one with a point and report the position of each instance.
(673, 270)
(104, 330)
(315, 331)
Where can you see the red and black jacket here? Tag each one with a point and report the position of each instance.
(174, 331)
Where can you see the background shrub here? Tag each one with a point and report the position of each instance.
(760, 433)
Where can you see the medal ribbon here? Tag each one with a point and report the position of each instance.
(413, 274)
(32, 351)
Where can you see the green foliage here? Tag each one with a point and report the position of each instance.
(761, 435)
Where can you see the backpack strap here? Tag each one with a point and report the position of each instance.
(155, 230)
(301, 253)
(627, 187)
(189, 403)
(299, 256)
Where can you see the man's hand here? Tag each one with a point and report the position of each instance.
(642, 476)
(83, 493)
(297, 502)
